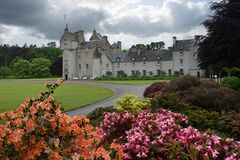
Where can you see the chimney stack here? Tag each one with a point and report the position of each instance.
(119, 43)
(81, 36)
(174, 41)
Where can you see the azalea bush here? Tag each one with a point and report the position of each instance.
(39, 130)
(208, 95)
(132, 103)
(164, 135)
(155, 87)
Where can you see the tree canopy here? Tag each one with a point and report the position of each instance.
(220, 48)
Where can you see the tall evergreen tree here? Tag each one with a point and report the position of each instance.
(221, 47)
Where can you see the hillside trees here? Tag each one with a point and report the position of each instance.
(40, 67)
(9, 55)
(221, 46)
(21, 68)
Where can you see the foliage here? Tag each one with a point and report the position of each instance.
(202, 119)
(56, 67)
(155, 87)
(231, 121)
(132, 104)
(16, 59)
(21, 68)
(220, 47)
(39, 130)
(40, 67)
(96, 116)
(232, 82)
(163, 135)
(4, 71)
(204, 94)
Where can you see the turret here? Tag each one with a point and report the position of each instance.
(94, 36)
(174, 41)
(81, 36)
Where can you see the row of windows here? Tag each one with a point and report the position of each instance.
(144, 72)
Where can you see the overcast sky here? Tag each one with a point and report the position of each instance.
(130, 21)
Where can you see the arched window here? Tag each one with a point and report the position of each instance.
(118, 61)
(144, 60)
(133, 61)
(158, 60)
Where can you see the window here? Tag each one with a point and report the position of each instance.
(133, 61)
(181, 52)
(79, 66)
(181, 72)
(169, 72)
(86, 66)
(144, 60)
(158, 72)
(118, 61)
(144, 72)
(86, 50)
(181, 61)
(133, 72)
(158, 60)
(107, 65)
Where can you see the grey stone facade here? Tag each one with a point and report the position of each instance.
(97, 58)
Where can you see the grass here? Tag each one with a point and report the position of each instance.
(14, 92)
(132, 82)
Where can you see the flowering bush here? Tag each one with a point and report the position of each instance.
(39, 130)
(131, 103)
(163, 135)
(155, 87)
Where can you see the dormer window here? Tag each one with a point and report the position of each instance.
(158, 60)
(144, 60)
(181, 52)
(133, 61)
(118, 61)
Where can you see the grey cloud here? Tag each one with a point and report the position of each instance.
(38, 16)
(22, 12)
(80, 18)
(184, 19)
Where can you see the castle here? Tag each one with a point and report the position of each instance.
(97, 57)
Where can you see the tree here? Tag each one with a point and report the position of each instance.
(21, 68)
(4, 71)
(40, 67)
(220, 48)
(56, 67)
(15, 60)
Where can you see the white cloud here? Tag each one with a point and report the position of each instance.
(131, 21)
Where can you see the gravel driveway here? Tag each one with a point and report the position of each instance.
(119, 91)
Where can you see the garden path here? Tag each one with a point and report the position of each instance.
(119, 91)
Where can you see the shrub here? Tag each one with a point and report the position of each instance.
(183, 83)
(204, 94)
(231, 121)
(39, 130)
(202, 119)
(169, 101)
(232, 82)
(162, 135)
(96, 116)
(132, 103)
(155, 87)
(213, 99)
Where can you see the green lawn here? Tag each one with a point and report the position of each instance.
(132, 82)
(14, 92)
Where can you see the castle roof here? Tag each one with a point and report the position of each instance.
(96, 54)
(184, 45)
(164, 55)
